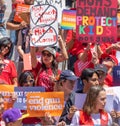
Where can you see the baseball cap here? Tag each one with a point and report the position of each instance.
(68, 74)
(50, 50)
(12, 115)
(101, 67)
(114, 59)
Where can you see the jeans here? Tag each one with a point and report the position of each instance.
(2, 32)
(13, 36)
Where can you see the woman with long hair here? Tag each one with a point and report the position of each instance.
(26, 79)
(9, 73)
(93, 112)
(47, 70)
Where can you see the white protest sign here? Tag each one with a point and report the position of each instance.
(44, 25)
(79, 100)
(59, 4)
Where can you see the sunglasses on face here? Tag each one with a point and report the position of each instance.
(109, 59)
(30, 81)
(6, 46)
(46, 54)
(2, 65)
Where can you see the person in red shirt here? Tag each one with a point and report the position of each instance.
(109, 61)
(9, 73)
(46, 71)
(26, 79)
(84, 52)
(2, 66)
(92, 112)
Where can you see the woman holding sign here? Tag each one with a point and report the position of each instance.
(93, 109)
(47, 70)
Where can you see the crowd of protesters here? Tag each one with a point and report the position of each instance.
(47, 73)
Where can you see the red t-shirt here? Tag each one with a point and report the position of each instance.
(109, 80)
(9, 72)
(43, 78)
(14, 6)
(76, 46)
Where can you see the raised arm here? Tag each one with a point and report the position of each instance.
(63, 55)
(70, 43)
(19, 45)
(13, 26)
(84, 55)
(33, 56)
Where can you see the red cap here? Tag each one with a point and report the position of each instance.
(104, 55)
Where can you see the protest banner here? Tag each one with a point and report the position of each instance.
(21, 8)
(116, 75)
(44, 25)
(40, 103)
(68, 19)
(115, 91)
(21, 93)
(59, 4)
(27, 61)
(116, 100)
(96, 21)
(79, 100)
(116, 103)
(7, 92)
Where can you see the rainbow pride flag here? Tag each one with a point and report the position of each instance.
(68, 19)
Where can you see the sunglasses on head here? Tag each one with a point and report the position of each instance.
(46, 54)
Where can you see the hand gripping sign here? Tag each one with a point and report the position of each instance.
(44, 25)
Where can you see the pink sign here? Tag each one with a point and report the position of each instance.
(96, 21)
